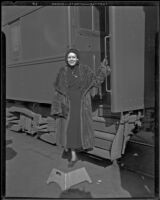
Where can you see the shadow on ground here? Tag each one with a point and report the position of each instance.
(75, 193)
(10, 153)
(94, 159)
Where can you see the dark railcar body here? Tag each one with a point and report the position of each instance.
(37, 38)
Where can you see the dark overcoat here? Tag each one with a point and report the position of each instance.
(61, 104)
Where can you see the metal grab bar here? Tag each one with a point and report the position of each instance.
(107, 37)
(105, 44)
(107, 90)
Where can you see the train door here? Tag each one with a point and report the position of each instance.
(90, 34)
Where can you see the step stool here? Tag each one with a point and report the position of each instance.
(66, 180)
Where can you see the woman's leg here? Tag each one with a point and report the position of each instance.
(73, 159)
(74, 156)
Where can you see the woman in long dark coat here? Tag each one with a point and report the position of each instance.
(72, 103)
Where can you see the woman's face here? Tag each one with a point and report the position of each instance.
(72, 59)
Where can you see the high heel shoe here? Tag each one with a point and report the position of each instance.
(66, 155)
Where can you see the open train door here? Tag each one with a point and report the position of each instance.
(127, 37)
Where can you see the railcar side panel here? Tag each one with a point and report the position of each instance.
(36, 47)
(32, 83)
(47, 29)
(11, 13)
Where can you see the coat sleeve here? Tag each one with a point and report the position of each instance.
(56, 104)
(57, 98)
(102, 72)
(98, 77)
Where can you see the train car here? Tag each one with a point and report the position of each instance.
(37, 38)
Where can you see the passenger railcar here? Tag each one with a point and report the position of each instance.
(37, 38)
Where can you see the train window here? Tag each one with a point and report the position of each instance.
(15, 40)
(85, 17)
(101, 18)
(96, 19)
(93, 18)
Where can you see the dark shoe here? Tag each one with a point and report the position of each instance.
(66, 154)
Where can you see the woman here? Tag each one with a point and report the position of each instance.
(72, 103)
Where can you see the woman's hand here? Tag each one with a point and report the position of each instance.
(105, 66)
(105, 62)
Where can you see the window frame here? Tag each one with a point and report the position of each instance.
(92, 30)
(16, 45)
